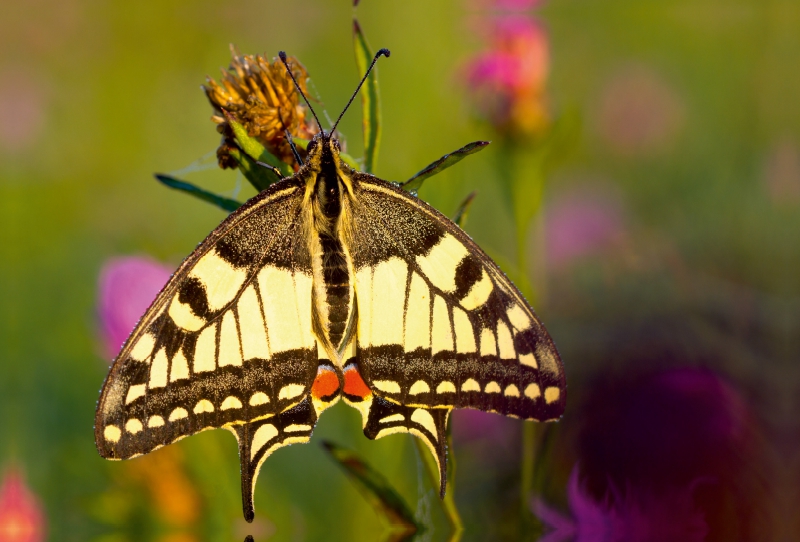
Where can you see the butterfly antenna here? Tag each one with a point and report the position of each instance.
(282, 56)
(382, 52)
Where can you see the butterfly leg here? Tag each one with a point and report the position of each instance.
(258, 439)
(430, 425)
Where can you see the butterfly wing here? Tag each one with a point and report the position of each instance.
(227, 343)
(439, 325)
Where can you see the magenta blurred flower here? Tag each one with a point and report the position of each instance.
(631, 516)
(681, 440)
(21, 515)
(127, 288)
(505, 5)
(506, 82)
(582, 223)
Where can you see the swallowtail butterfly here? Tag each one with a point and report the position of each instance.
(330, 284)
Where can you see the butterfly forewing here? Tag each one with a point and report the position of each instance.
(227, 341)
(440, 326)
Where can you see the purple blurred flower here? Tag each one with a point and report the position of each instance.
(582, 223)
(668, 455)
(506, 81)
(631, 516)
(21, 515)
(127, 288)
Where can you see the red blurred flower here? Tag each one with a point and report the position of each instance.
(21, 516)
(507, 81)
(127, 288)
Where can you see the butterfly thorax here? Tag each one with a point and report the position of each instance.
(333, 303)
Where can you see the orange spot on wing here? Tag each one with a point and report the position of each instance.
(325, 384)
(354, 385)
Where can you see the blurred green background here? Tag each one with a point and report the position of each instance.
(687, 137)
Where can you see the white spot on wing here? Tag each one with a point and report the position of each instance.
(442, 334)
(295, 428)
(203, 405)
(180, 367)
(143, 347)
(488, 343)
(178, 414)
(259, 398)
(155, 421)
(158, 369)
(230, 402)
(418, 315)
(287, 307)
(290, 391)
(532, 391)
(511, 391)
(229, 353)
(505, 342)
(492, 387)
(134, 392)
(205, 350)
(388, 298)
(183, 316)
(479, 293)
(551, 395)
(439, 266)
(133, 426)
(221, 280)
(518, 318)
(387, 386)
(364, 299)
(529, 360)
(112, 433)
(424, 418)
(263, 435)
(446, 387)
(470, 384)
(465, 336)
(418, 387)
(252, 326)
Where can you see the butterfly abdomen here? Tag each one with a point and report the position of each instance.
(338, 296)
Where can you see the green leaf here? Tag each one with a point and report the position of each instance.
(349, 160)
(415, 182)
(256, 150)
(460, 218)
(370, 100)
(375, 488)
(222, 202)
(259, 176)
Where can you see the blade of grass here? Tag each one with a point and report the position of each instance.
(222, 202)
(415, 182)
(460, 218)
(448, 503)
(375, 488)
(370, 100)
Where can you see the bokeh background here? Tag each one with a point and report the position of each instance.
(649, 150)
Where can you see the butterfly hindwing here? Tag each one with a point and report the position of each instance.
(440, 326)
(227, 341)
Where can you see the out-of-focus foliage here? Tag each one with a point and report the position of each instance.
(661, 244)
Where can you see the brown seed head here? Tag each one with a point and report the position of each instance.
(261, 96)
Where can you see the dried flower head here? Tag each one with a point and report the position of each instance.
(260, 96)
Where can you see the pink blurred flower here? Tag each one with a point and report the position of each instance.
(21, 516)
(507, 81)
(127, 288)
(631, 516)
(582, 223)
(639, 112)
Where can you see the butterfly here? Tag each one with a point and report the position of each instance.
(330, 284)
